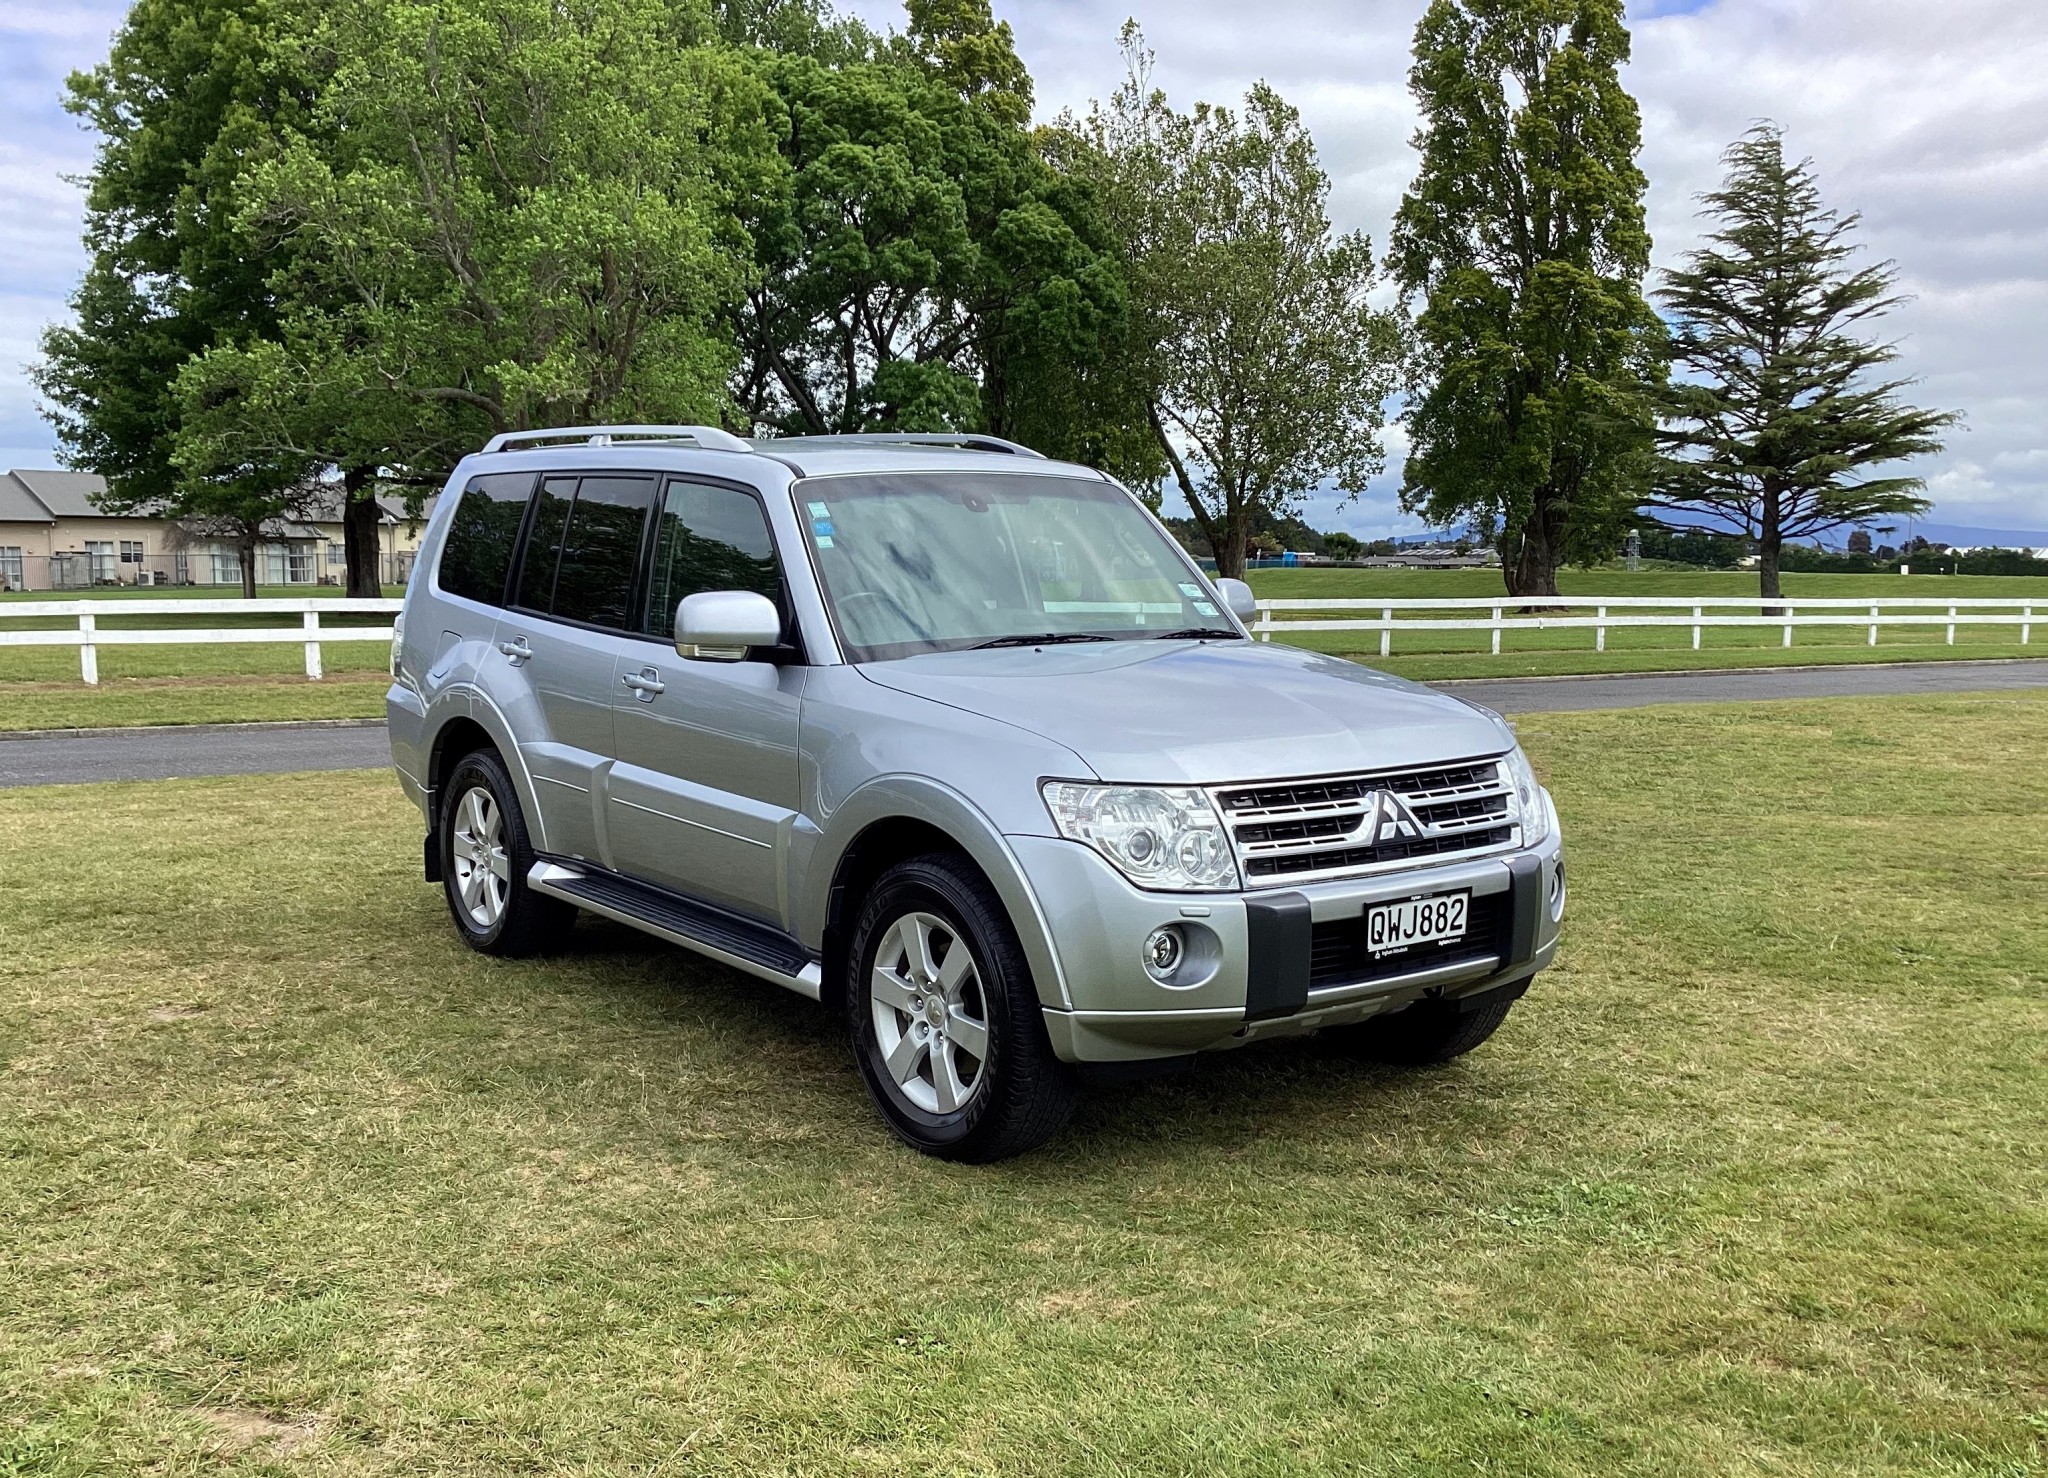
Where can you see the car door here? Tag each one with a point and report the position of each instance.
(705, 787)
(571, 618)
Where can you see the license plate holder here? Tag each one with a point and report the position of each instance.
(1439, 918)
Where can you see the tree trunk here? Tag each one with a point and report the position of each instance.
(1529, 562)
(359, 525)
(247, 545)
(1769, 542)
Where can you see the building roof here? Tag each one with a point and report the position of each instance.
(62, 494)
(18, 504)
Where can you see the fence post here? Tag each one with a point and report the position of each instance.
(1951, 625)
(2026, 623)
(312, 624)
(1600, 632)
(1386, 632)
(88, 649)
(1496, 631)
(1695, 629)
(1873, 626)
(1788, 625)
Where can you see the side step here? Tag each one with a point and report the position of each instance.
(759, 949)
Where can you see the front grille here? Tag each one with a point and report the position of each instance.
(1338, 953)
(1340, 826)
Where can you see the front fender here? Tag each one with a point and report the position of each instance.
(919, 798)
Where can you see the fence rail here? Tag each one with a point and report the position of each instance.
(89, 636)
(1535, 613)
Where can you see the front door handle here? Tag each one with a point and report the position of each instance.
(645, 683)
(517, 650)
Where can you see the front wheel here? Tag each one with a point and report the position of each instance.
(945, 1020)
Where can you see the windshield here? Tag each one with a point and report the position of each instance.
(940, 561)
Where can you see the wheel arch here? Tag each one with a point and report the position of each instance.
(885, 823)
(469, 722)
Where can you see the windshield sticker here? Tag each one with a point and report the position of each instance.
(823, 526)
(1192, 592)
(819, 510)
(1205, 608)
(824, 541)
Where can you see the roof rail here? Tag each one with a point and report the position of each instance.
(973, 441)
(711, 438)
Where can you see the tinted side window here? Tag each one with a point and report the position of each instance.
(601, 550)
(709, 539)
(544, 544)
(481, 536)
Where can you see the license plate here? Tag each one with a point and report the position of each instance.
(1391, 927)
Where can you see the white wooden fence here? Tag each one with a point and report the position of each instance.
(89, 636)
(1600, 613)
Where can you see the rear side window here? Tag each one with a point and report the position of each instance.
(709, 538)
(544, 544)
(600, 551)
(481, 536)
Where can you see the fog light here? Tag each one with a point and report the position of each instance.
(1162, 952)
(1557, 890)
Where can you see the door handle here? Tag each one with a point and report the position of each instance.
(517, 650)
(646, 682)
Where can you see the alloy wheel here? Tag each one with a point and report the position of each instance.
(483, 866)
(930, 1013)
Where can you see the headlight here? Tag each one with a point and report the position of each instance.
(1165, 837)
(1530, 807)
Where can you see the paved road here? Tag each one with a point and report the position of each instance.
(252, 749)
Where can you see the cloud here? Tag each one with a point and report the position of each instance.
(1925, 118)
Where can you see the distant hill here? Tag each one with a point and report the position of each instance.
(1935, 532)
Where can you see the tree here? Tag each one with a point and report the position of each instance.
(509, 213)
(1261, 366)
(921, 266)
(1523, 238)
(190, 89)
(1773, 428)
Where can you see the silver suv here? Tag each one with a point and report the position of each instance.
(957, 741)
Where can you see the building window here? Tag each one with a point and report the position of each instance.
(11, 574)
(131, 551)
(337, 554)
(227, 568)
(99, 554)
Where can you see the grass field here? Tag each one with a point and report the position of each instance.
(1751, 1183)
(39, 686)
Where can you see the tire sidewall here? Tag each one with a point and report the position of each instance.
(917, 887)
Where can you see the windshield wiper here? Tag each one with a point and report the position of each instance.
(1198, 633)
(1047, 639)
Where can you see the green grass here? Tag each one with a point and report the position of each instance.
(216, 699)
(1751, 1183)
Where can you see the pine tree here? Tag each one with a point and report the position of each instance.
(1523, 237)
(1776, 419)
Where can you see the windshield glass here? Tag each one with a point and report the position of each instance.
(940, 561)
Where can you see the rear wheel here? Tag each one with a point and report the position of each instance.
(945, 1020)
(485, 856)
(1431, 1031)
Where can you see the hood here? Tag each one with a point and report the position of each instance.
(1204, 713)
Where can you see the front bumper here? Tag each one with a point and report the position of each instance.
(1272, 962)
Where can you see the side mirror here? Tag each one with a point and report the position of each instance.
(719, 625)
(1238, 596)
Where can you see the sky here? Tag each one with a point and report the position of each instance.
(1929, 119)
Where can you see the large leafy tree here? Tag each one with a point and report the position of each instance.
(921, 266)
(1777, 425)
(189, 91)
(1258, 361)
(1522, 240)
(508, 214)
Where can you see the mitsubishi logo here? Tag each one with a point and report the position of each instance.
(1388, 819)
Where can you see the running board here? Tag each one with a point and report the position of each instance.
(759, 949)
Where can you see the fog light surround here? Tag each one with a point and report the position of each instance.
(1557, 891)
(1181, 956)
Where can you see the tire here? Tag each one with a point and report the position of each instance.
(975, 1078)
(1431, 1031)
(485, 856)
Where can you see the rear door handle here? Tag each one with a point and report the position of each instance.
(517, 650)
(646, 682)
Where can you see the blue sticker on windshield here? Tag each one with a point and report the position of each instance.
(822, 526)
